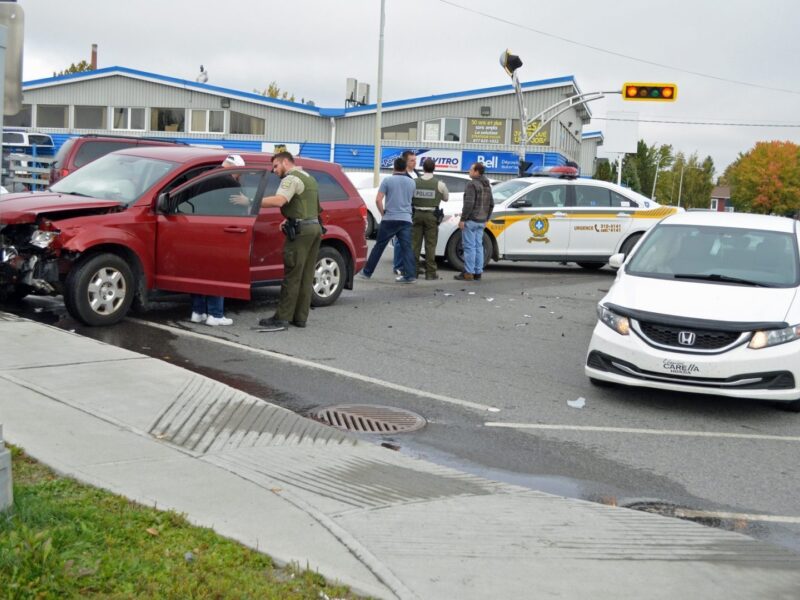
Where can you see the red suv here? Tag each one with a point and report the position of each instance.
(77, 152)
(159, 218)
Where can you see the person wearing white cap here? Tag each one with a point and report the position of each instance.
(209, 309)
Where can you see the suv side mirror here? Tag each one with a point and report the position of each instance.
(162, 203)
(615, 262)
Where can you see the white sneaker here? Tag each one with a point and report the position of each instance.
(215, 321)
(198, 317)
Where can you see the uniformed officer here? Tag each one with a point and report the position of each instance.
(429, 193)
(298, 199)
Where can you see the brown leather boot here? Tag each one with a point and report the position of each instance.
(464, 277)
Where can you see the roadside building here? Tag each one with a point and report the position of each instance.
(590, 141)
(721, 199)
(456, 129)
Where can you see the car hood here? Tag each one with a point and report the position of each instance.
(699, 300)
(25, 208)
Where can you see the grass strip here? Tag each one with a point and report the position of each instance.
(63, 539)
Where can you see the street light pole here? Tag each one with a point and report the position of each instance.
(680, 183)
(655, 179)
(376, 165)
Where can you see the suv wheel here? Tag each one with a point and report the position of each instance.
(455, 251)
(99, 290)
(329, 276)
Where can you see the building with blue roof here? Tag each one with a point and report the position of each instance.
(456, 129)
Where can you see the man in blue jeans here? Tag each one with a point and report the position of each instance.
(478, 207)
(396, 221)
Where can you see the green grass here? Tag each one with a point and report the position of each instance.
(63, 539)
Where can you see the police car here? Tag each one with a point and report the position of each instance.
(556, 217)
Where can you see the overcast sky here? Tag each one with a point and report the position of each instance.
(431, 46)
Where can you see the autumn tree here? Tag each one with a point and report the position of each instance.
(766, 179)
(273, 91)
(74, 68)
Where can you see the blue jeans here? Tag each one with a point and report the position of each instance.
(397, 259)
(388, 230)
(208, 305)
(472, 241)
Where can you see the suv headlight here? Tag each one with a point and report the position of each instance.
(42, 239)
(773, 337)
(617, 322)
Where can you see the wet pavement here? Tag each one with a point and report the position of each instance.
(454, 437)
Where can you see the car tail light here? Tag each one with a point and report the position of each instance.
(363, 211)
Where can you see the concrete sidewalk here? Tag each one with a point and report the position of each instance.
(388, 525)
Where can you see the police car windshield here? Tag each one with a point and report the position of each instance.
(503, 191)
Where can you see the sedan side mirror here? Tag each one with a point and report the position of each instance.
(615, 262)
(518, 204)
(162, 203)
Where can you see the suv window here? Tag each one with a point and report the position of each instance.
(63, 152)
(329, 189)
(92, 150)
(590, 195)
(13, 138)
(212, 195)
(545, 196)
(455, 185)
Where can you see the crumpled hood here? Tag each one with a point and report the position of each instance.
(699, 300)
(26, 207)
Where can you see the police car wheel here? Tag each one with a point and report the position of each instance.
(591, 266)
(370, 228)
(454, 252)
(329, 277)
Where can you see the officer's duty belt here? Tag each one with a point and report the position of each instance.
(425, 208)
(308, 221)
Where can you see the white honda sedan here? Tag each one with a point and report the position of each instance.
(707, 303)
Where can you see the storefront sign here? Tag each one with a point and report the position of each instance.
(494, 162)
(542, 138)
(486, 131)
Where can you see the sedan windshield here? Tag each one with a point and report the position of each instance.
(503, 191)
(115, 177)
(724, 255)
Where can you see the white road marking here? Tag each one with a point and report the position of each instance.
(711, 514)
(706, 434)
(312, 365)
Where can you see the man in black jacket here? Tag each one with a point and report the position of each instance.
(478, 207)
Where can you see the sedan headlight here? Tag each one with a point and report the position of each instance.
(773, 337)
(42, 239)
(617, 322)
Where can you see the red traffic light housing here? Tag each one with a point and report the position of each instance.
(650, 92)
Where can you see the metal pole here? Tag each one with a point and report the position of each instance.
(619, 169)
(655, 179)
(376, 165)
(680, 184)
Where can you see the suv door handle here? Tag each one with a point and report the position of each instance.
(559, 214)
(234, 229)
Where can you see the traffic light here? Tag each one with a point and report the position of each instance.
(510, 62)
(650, 92)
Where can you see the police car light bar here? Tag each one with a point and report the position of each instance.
(559, 172)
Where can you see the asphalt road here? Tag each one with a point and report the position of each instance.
(516, 342)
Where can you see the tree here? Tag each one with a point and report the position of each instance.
(273, 91)
(74, 68)
(605, 170)
(766, 179)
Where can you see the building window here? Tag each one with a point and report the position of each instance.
(167, 119)
(128, 118)
(442, 130)
(51, 115)
(21, 119)
(246, 125)
(90, 117)
(405, 131)
(207, 121)
(714, 204)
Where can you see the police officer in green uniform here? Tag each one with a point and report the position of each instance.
(430, 192)
(298, 199)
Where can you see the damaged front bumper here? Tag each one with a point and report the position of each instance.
(24, 264)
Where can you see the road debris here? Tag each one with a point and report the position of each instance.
(578, 403)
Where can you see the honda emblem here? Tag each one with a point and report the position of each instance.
(687, 338)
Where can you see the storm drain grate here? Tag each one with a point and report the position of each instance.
(365, 418)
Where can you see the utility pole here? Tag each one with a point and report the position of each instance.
(376, 165)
